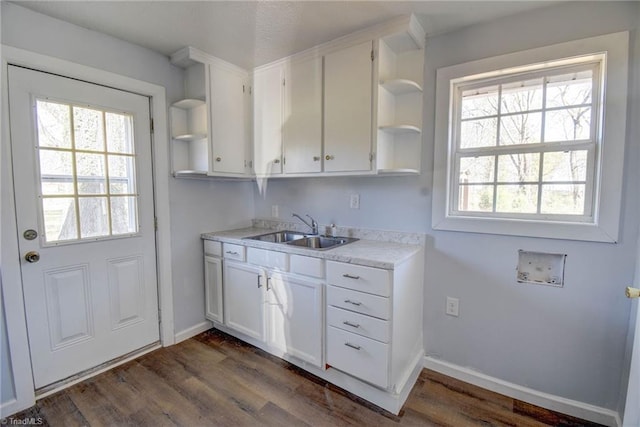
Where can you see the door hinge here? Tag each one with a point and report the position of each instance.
(371, 157)
(373, 55)
(151, 125)
(284, 160)
(155, 223)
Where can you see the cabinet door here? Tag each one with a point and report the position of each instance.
(213, 288)
(228, 120)
(294, 312)
(244, 299)
(303, 116)
(267, 121)
(347, 109)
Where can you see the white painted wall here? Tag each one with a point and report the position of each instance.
(568, 342)
(196, 206)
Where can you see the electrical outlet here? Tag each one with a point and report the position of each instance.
(275, 211)
(354, 201)
(453, 306)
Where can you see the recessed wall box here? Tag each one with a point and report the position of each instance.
(541, 268)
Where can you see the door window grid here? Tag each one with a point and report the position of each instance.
(488, 146)
(86, 193)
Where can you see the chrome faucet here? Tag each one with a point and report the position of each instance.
(313, 225)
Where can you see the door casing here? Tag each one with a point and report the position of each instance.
(12, 298)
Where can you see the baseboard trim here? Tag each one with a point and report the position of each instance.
(574, 408)
(193, 331)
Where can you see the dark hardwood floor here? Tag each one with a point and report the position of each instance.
(216, 380)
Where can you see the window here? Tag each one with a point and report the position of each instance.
(87, 173)
(524, 142)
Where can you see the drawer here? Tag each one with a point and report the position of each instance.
(231, 251)
(361, 357)
(267, 258)
(364, 279)
(308, 266)
(360, 324)
(371, 305)
(212, 248)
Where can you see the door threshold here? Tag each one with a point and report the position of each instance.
(96, 370)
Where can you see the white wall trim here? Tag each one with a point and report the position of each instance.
(545, 400)
(193, 331)
(10, 274)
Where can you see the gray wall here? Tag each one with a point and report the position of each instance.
(196, 206)
(566, 341)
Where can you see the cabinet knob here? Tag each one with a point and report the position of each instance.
(316, 158)
(328, 157)
(276, 161)
(218, 159)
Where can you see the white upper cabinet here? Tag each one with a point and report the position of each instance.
(210, 127)
(229, 124)
(302, 125)
(348, 93)
(268, 107)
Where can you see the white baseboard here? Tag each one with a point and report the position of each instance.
(193, 331)
(574, 408)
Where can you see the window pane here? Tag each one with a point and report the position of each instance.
(478, 133)
(56, 172)
(476, 198)
(476, 169)
(565, 166)
(480, 102)
(59, 216)
(570, 89)
(91, 173)
(119, 133)
(568, 125)
(54, 124)
(94, 220)
(517, 198)
(123, 215)
(519, 167)
(567, 199)
(520, 129)
(522, 96)
(88, 129)
(121, 175)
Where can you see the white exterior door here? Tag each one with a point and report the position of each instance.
(84, 200)
(632, 407)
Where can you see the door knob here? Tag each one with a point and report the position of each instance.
(32, 256)
(632, 292)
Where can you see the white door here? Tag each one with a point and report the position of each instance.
(84, 200)
(244, 299)
(267, 121)
(348, 109)
(632, 407)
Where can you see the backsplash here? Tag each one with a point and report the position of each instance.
(359, 233)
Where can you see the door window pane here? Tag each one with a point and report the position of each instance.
(88, 184)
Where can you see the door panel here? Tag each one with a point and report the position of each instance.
(244, 299)
(82, 174)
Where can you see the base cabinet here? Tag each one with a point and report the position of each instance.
(244, 299)
(213, 288)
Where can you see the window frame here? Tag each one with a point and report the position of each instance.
(602, 223)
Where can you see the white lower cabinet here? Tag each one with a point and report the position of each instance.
(294, 311)
(244, 299)
(213, 288)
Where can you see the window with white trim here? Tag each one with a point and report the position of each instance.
(532, 143)
(526, 143)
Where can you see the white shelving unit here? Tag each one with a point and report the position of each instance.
(400, 75)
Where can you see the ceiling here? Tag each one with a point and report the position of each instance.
(251, 33)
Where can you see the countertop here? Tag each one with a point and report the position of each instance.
(371, 253)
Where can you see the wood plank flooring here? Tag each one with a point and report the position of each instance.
(214, 379)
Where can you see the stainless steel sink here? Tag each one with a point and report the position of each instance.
(278, 237)
(321, 242)
(296, 238)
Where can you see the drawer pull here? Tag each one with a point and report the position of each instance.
(355, 347)
(259, 282)
(233, 253)
(348, 276)
(353, 325)
(268, 285)
(348, 301)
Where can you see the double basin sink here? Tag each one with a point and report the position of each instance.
(302, 240)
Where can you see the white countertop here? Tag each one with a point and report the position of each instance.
(371, 253)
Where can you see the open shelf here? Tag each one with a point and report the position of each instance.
(400, 129)
(401, 86)
(187, 104)
(190, 137)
